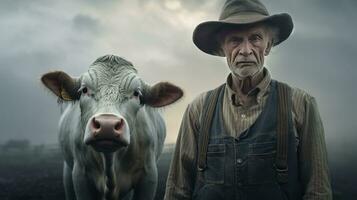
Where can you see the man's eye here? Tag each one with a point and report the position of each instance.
(234, 40)
(255, 38)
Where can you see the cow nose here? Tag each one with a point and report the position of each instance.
(107, 125)
(107, 133)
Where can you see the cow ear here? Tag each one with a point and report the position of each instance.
(162, 94)
(62, 85)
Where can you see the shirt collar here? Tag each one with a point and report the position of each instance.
(257, 92)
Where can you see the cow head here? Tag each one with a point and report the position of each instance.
(109, 95)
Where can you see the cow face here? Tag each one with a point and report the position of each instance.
(109, 95)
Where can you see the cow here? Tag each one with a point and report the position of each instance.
(111, 132)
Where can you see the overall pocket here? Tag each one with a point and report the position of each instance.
(214, 173)
(261, 159)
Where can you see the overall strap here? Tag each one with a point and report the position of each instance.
(283, 116)
(208, 112)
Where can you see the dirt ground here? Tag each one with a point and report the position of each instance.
(39, 176)
(36, 176)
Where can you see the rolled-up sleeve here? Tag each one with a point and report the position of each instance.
(314, 171)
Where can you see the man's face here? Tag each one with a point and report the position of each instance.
(245, 49)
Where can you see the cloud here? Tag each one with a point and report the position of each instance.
(13, 7)
(156, 35)
(83, 22)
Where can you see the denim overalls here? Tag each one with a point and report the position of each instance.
(243, 168)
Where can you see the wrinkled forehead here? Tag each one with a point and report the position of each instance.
(100, 74)
(243, 30)
(249, 31)
(111, 81)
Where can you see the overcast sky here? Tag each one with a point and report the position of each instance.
(156, 36)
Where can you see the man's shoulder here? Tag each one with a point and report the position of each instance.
(195, 107)
(301, 101)
(299, 94)
(199, 100)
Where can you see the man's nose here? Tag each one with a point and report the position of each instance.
(246, 49)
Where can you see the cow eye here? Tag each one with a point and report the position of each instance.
(84, 90)
(137, 93)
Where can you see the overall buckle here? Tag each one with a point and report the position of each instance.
(282, 174)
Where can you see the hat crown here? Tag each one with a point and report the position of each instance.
(235, 7)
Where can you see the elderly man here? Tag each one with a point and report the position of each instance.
(252, 137)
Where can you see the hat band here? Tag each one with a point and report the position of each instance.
(244, 18)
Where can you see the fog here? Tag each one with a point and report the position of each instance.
(156, 36)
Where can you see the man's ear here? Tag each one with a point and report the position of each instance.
(269, 46)
(162, 94)
(62, 85)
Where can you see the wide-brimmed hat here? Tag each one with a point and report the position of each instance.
(240, 13)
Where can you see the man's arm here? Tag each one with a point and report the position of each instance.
(314, 171)
(180, 181)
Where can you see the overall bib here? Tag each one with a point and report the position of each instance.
(244, 168)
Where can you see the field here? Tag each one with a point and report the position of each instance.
(35, 175)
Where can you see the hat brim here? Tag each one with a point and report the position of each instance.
(205, 34)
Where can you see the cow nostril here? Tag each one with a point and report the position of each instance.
(96, 123)
(119, 124)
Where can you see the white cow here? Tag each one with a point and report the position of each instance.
(111, 133)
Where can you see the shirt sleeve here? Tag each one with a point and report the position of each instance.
(182, 173)
(314, 171)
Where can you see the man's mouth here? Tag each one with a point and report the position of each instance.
(242, 64)
(246, 62)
